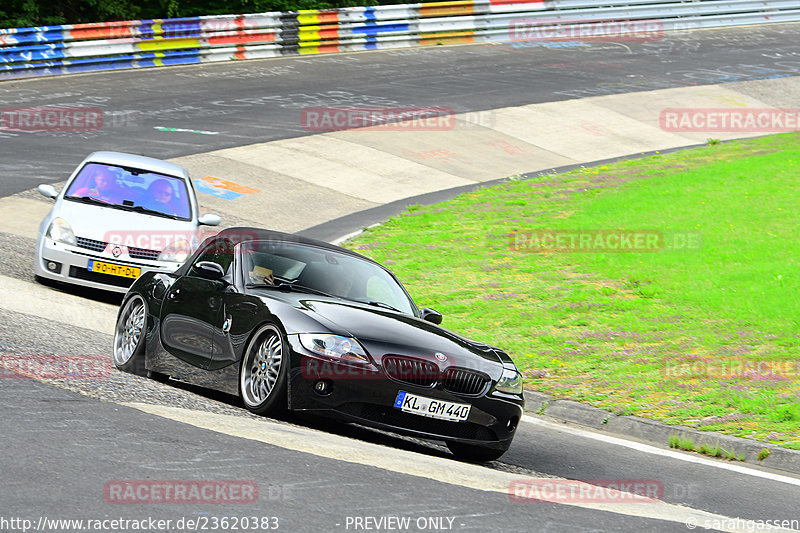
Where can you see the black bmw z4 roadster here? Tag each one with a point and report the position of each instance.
(288, 322)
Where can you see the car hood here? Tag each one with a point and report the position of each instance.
(384, 332)
(108, 225)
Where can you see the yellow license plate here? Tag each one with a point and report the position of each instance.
(113, 270)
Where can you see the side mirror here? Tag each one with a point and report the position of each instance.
(208, 270)
(209, 220)
(434, 317)
(48, 191)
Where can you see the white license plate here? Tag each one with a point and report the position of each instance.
(420, 405)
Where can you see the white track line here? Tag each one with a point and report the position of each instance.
(672, 454)
(37, 300)
(434, 468)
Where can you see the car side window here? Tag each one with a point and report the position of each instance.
(220, 252)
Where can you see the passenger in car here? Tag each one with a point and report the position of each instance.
(159, 197)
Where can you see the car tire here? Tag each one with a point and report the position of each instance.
(129, 336)
(262, 375)
(474, 453)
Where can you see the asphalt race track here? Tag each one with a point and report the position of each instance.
(64, 442)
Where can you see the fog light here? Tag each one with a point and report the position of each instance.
(323, 387)
(54, 267)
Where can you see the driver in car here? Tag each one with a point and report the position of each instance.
(105, 187)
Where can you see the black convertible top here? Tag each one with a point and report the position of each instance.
(238, 235)
(244, 234)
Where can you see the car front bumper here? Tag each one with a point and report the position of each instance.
(70, 265)
(368, 398)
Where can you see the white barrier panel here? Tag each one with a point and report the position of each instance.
(63, 49)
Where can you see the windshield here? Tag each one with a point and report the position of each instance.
(327, 271)
(129, 188)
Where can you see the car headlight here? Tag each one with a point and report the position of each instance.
(510, 381)
(177, 252)
(61, 231)
(334, 346)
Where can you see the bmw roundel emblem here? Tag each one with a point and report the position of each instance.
(441, 357)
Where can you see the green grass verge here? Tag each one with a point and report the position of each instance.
(703, 332)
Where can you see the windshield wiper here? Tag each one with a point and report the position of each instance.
(378, 304)
(141, 209)
(89, 200)
(138, 208)
(286, 286)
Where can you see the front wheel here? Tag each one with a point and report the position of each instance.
(474, 453)
(262, 377)
(129, 334)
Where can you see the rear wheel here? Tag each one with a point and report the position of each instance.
(262, 376)
(129, 336)
(474, 453)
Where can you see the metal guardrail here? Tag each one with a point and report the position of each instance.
(51, 50)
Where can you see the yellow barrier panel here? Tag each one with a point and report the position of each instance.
(445, 9)
(168, 44)
(316, 35)
(318, 47)
(314, 16)
(455, 37)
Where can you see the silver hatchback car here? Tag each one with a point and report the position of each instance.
(119, 216)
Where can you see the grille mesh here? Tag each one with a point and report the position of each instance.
(423, 373)
(410, 370)
(142, 253)
(90, 244)
(461, 381)
(100, 246)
